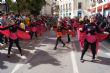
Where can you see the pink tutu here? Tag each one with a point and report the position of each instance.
(91, 38)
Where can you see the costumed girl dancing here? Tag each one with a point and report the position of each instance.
(13, 35)
(59, 35)
(90, 37)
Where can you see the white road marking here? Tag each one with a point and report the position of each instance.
(107, 54)
(17, 67)
(23, 57)
(104, 46)
(23, 61)
(74, 63)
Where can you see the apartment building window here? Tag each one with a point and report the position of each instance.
(69, 6)
(69, 13)
(79, 13)
(66, 6)
(79, 5)
(63, 7)
(100, 1)
(93, 3)
(93, 0)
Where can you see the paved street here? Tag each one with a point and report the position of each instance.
(39, 57)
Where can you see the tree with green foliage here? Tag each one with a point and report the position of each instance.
(33, 6)
(12, 6)
(36, 6)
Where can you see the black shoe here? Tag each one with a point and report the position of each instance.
(82, 60)
(8, 56)
(64, 45)
(93, 60)
(21, 54)
(55, 48)
(67, 42)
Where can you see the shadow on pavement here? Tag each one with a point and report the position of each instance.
(3, 58)
(14, 58)
(100, 60)
(30, 45)
(42, 57)
(104, 60)
(2, 66)
(49, 41)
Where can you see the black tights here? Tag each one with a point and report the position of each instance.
(86, 46)
(32, 33)
(68, 38)
(16, 41)
(57, 41)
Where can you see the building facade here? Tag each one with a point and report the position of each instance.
(73, 8)
(3, 6)
(81, 7)
(102, 6)
(48, 8)
(66, 8)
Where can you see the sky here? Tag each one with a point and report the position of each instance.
(12, 0)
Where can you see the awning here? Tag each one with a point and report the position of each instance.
(105, 6)
(92, 9)
(99, 7)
